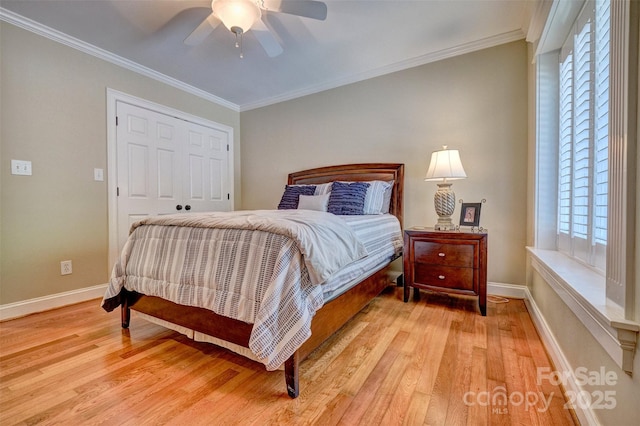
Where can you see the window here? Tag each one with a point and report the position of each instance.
(583, 137)
(586, 165)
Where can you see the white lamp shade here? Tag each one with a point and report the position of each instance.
(236, 13)
(445, 165)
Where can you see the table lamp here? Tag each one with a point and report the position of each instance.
(445, 166)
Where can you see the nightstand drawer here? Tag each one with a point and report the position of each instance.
(460, 255)
(443, 276)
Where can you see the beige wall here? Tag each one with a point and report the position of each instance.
(476, 103)
(53, 113)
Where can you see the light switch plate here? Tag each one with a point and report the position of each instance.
(98, 175)
(21, 167)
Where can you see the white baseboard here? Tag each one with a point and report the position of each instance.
(40, 304)
(511, 291)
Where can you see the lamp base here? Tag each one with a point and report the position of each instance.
(444, 224)
(445, 203)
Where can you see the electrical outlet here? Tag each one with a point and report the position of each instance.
(66, 267)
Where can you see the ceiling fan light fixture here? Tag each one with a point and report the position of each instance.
(237, 15)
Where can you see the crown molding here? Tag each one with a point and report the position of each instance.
(541, 10)
(67, 40)
(397, 66)
(55, 35)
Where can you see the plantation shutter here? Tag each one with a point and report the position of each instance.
(601, 162)
(583, 136)
(565, 157)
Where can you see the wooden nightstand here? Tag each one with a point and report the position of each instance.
(446, 261)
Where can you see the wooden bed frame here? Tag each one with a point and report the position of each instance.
(331, 317)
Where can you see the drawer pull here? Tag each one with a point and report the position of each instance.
(441, 254)
(441, 277)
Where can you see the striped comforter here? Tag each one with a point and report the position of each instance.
(260, 267)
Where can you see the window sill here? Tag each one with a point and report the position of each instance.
(584, 292)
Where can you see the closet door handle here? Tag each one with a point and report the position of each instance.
(179, 207)
(187, 207)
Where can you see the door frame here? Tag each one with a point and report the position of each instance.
(114, 96)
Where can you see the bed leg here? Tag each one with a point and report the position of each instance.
(125, 314)
(291, 375)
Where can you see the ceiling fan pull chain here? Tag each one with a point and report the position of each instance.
(238, 31)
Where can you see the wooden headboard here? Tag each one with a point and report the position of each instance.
(358, 172)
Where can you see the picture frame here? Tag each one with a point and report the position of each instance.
(470, 214)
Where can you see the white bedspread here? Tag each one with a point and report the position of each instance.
(260, 267)
(326, 241)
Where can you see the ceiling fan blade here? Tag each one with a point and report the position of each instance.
(203, 30)
(306, 8)
(266, 39)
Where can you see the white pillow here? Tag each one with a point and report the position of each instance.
(313, 202)
(378, 197)
(323, 188)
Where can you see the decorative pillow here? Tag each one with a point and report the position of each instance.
(292, 194)
(386, 204)
(378, 192)
(313, 202)
(347, 198)
(323, 188)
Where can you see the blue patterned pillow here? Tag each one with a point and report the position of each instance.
(292, 194)
(347, 198)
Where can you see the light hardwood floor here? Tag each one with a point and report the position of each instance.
(436, 361)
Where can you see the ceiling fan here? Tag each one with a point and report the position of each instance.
(240, 16)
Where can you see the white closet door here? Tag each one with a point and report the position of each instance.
(148, 155)
(206, 165)
(167, 165)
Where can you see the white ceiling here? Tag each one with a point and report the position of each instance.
(359, 39)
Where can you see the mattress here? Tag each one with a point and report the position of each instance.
(382, 238)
